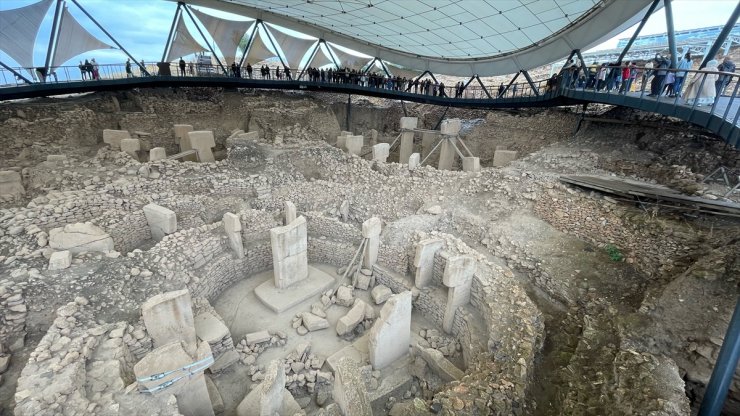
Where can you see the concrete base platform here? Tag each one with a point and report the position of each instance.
(280, 300)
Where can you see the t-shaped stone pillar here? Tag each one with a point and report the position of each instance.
(342, 139)
(371, 231)
(424, 260)
(289, 212)
(203, 142)
(458, 277)
(131, 146)
(168, 317)
(381, 152)
(290, 253)
(181, 132)
(354, 144)
(390, 336)
(157, 153)
(414, 161)
(408, 124)
(162, 221)
(114, 137)
(233, 228)
(449, 129)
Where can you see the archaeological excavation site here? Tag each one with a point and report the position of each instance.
(206, 251)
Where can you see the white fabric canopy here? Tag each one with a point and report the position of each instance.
(347, 60)
(259, 51)
(18, 31)
(396, 70)
(73, 40)
(183, 42)
(226, 33)
(320, 59)
(294, 49)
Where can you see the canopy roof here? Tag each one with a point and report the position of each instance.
(485, 37)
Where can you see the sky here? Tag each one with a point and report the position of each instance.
(142, 26)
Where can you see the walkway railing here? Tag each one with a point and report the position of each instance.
(710, 98)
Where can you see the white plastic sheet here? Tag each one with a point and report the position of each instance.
(259, 50)
(226, 33)
(320, 59)
(348, 60)
(18, 30)
(183, 42)
(294, 49)
(73, 40)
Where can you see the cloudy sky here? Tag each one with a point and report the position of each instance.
(141, 26)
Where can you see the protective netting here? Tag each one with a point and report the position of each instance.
(18, 30)
(259, 50)
(348, 60)
(294, 49)
(226, 33)
(73, 40)
(183, 42)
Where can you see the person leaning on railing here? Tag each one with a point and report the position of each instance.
(726, 66)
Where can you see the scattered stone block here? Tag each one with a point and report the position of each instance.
(113, 137)
(381, 293)
(345, 296)
(381, 152)
(440, 365)
(80, 237)
(131, 146)
(157, 153)
(270, 397)
(210, 329)
(450, 127)
(11, 184)
(203, 141)
(349, 390)
(503, 157)
(348, 322)
(168, 317)
(471, 164)
(257, 337)
(390, 336)
(414, 161)
(60, 260)
(313, 322)
(162, 221)
(56, 158)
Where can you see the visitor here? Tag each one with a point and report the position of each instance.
(593, 71)
(182, 67)
(442, 92)
(191, 69)
(684, 63)
(501, 89)
(670, 78)
(95, 69)
(661, 70)
(142, 69)
(83, 71)
(601, 78)
(625, 87)
(89, 69)
(233, 70)
(726, 66)
(701, 89)
(286, 71)
(249, 71)
(129, 74)
(278, 74)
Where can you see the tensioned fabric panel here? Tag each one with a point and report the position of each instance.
(294, 49)
(226, 33)
(18, 31)
(347, 60)
(183, 42)
(73, 40)
(320, 59)
(259, 51)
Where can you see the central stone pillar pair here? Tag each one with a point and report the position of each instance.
(408, 124)
(200, 141)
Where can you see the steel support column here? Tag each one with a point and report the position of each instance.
(484, 87)
(16, 73)
(370, 65)
(637, 31)
(249, 42)
(668, 7)
(143, 69)
(382, 65)
(187, 9)
(168, 45)
(724, 368)
(721, 37)
(531, 84)
(52, 37)
(511, 83)
(311, 55)
(439, 123)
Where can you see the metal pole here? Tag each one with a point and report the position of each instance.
(510, 84)
(56, 24)
(349, 109)
(277, 51)
(187, 9)
(637, 31)
(249, 43)
(441, 118)
(382, 65)
(315, 50)
(18, 74)
(667, 4)
(369, 66)
(111, 37)
(484, 87)
(724, 368)
(531, 84)
(172, 31)
(721, 37)
(573, 52)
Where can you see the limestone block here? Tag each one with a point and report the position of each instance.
(354, 144)
(471, 164)
(157, 153)
(251, 135)
(390, 336)
(456, 297)
(381, 293)
(428, 141)
(414, 161)
(342, 142)
(447, 154)
(60, 260)
(168, 317)
(409, 123)
(131, 146)
(381, 152)
(233, 228)
(371, 227)
(290, 252)
(210, 329)
(289, 212)
(440, 365)
(313, 322)
(56, 158)
(162, 221)
(181, 132)
(349, 390)
(191, 390)
(270, 397)
(503, 157)
(257, 337)
(345, 296)
(11, 184)
(80, 237)
(203, 141)
(459, 270)
(348, 322)
(424, 260)
(450, 127)
(113, 137)
(406, 146)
